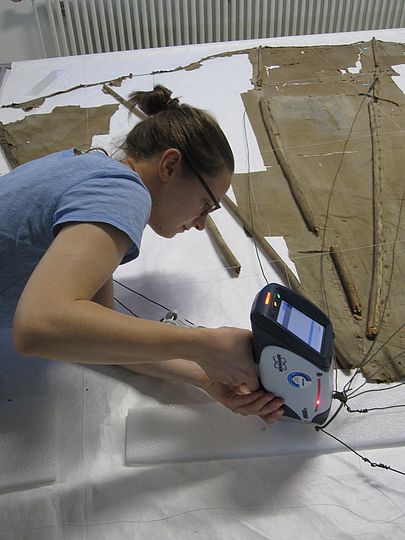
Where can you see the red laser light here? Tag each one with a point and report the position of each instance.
(318, 399)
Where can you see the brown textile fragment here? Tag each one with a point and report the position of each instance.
(322, 116)
(196, 65)
(37, 102)
(65, 127)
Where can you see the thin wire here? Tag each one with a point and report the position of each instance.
(373, 356)
(358, 248)
(146, 298)
(334, 415)
(375, 390)
(366, 460)
(141, 295)
(334, 141)
(374, 409)
(318, 254)
(250, 191)
(125, 307)
(250, 197)
(342, 396)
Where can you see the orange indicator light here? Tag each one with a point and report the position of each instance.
(267, 299)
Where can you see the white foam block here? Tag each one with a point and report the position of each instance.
(161, 433)
(27, 430)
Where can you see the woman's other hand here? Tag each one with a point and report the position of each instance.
(241, 401)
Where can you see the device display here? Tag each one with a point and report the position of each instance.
(310, 331)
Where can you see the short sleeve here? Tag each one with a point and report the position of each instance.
(121, 200)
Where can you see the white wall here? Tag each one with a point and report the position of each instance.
(19, 37)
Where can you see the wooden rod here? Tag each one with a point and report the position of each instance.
(276, 143)
(259, 79)
(375, 300)
(135, 110)
(232, 262)
(272, 254)
(377, 69)
(347, 281)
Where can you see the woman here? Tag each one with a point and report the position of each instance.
(71, 218)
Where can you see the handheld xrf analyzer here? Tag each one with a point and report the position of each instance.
(293, 347)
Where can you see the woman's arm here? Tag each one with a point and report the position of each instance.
(57, 318)
(178, 370)
(105, 295)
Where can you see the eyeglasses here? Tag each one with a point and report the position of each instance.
(215, 202)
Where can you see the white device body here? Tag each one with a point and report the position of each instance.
(305, 388)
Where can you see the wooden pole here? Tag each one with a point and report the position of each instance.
(259, 237)
(276, 143)
(135, 110)
(347, 281)
(232, 262)
(375, 301)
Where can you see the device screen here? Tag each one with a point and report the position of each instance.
(301, 325)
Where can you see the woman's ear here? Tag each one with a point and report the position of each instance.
(169, 164)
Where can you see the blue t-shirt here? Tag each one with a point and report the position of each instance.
(39, 196)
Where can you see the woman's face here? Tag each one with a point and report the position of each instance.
(183, 202)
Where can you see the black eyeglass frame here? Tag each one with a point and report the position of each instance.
(216, 205)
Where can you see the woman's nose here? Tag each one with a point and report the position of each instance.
(199, 223)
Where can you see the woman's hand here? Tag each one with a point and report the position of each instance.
(239, 400)
(228, 357)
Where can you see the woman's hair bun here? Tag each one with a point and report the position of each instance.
(157, 100)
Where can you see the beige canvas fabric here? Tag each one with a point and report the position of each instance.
(342, 136)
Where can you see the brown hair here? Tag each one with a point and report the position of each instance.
(170, 124)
